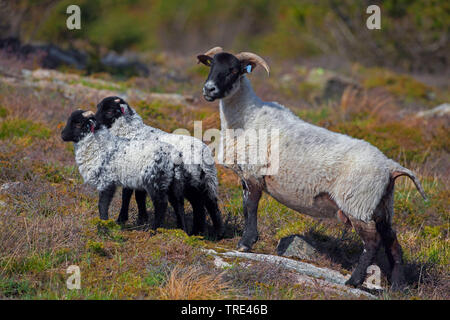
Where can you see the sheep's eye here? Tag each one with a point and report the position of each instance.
(234, 71)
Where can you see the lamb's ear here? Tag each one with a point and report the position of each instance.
(93, 124)
(206, 60)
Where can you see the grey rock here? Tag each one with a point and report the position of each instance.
(308, 273)
(335, 87)
(126, 63)
(9, 185)
(439, 111)
(297, 247)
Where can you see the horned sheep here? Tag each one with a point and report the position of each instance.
(320, 173)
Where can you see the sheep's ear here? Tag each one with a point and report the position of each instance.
(247, 66)
(206, 60)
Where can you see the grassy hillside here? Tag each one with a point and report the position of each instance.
(49, 219)
(413, 35)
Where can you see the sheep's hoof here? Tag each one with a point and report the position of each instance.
(141, 222)
(351, 283)
(398, 287)
(243, 248)
(121, 221)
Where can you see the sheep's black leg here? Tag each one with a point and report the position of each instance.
(126, 197)
(177, 201)
(397, 275)
(195, 199)
(105, 198)
(251, 195)
(394, 254)
(160, 204)
(140, 196)
(372, 241)
(214, 213)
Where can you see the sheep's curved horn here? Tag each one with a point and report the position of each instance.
(213, 51)
(251, 57)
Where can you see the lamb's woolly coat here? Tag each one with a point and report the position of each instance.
(312, 160)
(198, 162)
(105, 160)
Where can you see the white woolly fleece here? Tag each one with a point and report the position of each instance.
(197, 159)
(104, 160)
(312, 160)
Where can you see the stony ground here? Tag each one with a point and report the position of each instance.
(49, 219)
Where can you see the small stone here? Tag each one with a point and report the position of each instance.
(335, 87)
(295, 246)
(220, 263)
(439, 111)
(8, 185)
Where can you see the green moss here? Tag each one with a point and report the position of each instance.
(394, 139)
(100, 85)
(3, 112)
(96, 247)
(193, 241)
(402, 86)
(198, 70)
(23, 128)
(153, 110)
(161, 114)
(11, 288)
(309, 91)
(156, 275)
(34, 263)
(314, 115)
(433, 231)
(108, 229)
(434, 252)
(54, 173)
(299, 226)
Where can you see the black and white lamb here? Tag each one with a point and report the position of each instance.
(106, 161)
(320, 173)
(200, 179)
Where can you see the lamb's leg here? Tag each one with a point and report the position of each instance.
(196, 200)
(394, 254)
(140, 196)
(177, 201)
(372, 240)
(126, 197)
(105, 198)
(251, 196)
(160, 204)
(214, 213)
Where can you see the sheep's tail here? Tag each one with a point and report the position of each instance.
(398, 171)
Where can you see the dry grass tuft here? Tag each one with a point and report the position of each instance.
(192, 283)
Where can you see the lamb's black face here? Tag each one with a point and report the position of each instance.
(110, 109)
(79, 124)
(223, 77)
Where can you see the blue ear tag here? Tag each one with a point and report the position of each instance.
(249, 68)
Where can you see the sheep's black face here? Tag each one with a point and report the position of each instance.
(110, 109)
(79, 124)
(223, 78)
